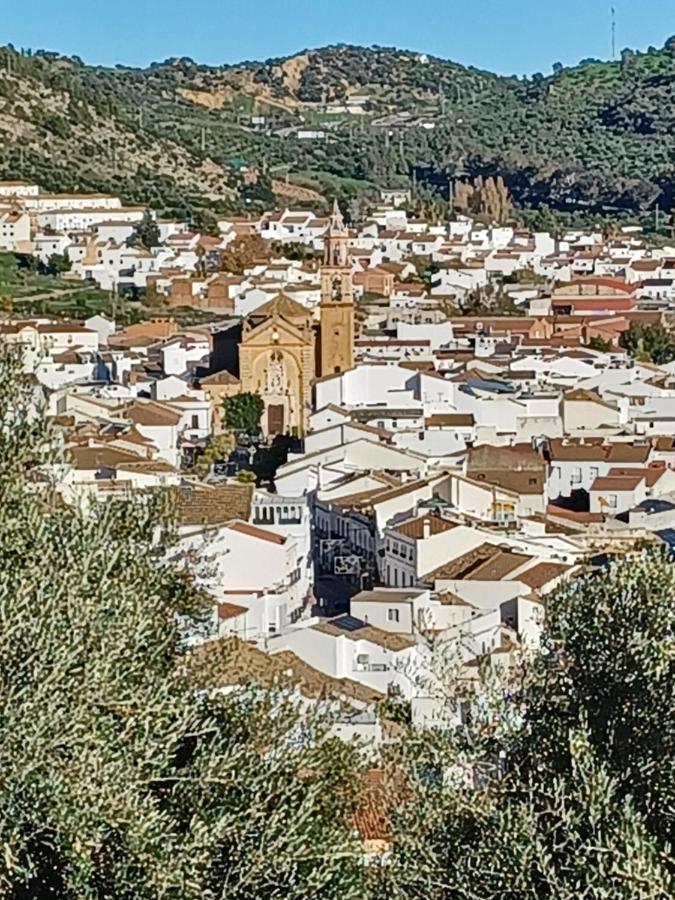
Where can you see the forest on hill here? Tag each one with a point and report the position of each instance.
(593, 139)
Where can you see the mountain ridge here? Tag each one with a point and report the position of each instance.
(598, 137)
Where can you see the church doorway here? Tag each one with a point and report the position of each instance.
(275, 418)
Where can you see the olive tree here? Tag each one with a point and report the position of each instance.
(119, 778)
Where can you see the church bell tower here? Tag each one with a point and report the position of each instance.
(337, 300)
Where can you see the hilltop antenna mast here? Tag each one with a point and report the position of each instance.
(613, 14)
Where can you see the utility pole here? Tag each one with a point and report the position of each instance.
(613, 15)
(203, 142)
(657, 214)
(140, 117)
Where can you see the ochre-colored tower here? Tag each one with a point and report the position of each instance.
(337, 300)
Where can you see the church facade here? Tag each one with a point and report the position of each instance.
(278, 358)
(277, 362)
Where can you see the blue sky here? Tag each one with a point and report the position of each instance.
(507, 36)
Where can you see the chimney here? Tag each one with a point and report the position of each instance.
(426, 527)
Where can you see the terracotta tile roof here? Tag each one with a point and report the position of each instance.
(373, 496)
(230, 611)
(281, 306)
(410, 487)
(414, 528)
(440, 420)
(418, 365)
(232, 661)
(581, 518)
(91, 458)
(393, 642)
(484, 563)
(628, 453)
(260, 534)
(651, 474)
(617, 284)
(646, 265)
(518, 456)
(540, 575)
(360, 498)
(146, 465)
(212, 504)
(151, 414)
(564, 450)
(623, 483)
(222, 377)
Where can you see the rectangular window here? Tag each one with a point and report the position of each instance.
(393, 615)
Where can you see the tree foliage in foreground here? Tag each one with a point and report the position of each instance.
(579, 800)
(118, 779)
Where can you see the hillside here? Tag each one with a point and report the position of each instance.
(598, 137)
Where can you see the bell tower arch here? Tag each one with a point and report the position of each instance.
(337, 300)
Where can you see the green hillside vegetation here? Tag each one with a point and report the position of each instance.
(597, 138)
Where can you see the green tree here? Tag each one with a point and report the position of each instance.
(58, 263)
(204, 221)
(650, 343)
(147, 231)
(600, 344)
(119, 780)
(218, 450)
(269, 459)
(609, 664)
(576, 794)
(243, 412)
(243, 253)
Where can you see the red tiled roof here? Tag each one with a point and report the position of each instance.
(621, 483)
(414, 528)
(230, 611)
(650, 474)
(260, 533)
(541, 574)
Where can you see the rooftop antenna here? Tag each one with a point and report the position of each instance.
(613, 14)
